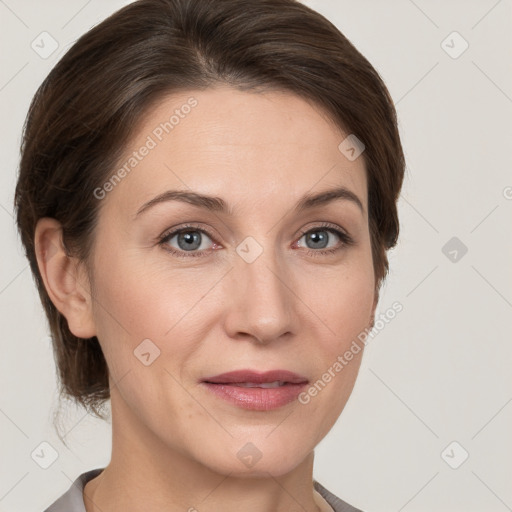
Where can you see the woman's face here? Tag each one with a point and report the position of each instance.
(247, 287)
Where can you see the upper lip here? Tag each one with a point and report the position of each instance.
(257, 377)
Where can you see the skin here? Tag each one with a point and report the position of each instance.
(175, 444)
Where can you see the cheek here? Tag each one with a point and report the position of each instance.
(137, 316)
(343, 302)
(139, 298)
(137, 301)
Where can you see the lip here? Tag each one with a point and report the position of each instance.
(257, 377)
(256, 398)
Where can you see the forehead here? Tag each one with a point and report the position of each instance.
(245, 146)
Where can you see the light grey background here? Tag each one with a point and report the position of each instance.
(439, 372)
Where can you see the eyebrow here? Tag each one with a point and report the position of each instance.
(217, 204)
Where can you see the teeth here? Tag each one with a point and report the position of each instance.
(274, 384)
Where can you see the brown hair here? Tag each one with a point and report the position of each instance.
(87, 108)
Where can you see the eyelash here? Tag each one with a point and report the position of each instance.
(346, 240)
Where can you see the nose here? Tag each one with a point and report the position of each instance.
(262, 303)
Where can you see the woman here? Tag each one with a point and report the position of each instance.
(207, 194)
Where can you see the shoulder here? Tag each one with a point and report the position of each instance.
(336, 503)
(72, 500)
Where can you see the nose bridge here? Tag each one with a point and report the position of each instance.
(263, 303)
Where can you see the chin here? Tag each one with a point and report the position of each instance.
(257, 459)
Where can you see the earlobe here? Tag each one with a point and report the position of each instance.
(65, 281)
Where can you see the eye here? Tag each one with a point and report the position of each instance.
(319, 237)
(190, 241)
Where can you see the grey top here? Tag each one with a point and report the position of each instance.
(72, 500)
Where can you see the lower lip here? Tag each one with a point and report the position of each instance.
(256, 399)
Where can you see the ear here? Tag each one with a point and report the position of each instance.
(65, 280)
